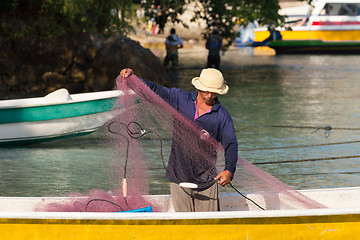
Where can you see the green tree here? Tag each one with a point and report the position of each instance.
(218, 14)
(164, 11)
(48, 19)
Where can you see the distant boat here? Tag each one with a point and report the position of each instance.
(239, 219)
(331, 26)
(56, 115)
(315, 47)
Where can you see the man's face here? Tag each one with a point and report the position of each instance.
(208, 97)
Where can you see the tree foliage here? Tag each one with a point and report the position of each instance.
(219, 14)
(164, 11)
(47, 19)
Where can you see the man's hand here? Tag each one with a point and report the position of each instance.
(126, 72)
(224, 178)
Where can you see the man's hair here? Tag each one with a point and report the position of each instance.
(173, 31)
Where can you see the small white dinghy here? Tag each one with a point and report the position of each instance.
(58, 114)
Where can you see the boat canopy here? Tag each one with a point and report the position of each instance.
(336, 8)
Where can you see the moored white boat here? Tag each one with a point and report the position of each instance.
(56, 115)
(331, 26)
(341, 220)
(330, 20)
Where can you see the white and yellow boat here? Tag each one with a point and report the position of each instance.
(330, 20)
(330, 26)
(238, 219)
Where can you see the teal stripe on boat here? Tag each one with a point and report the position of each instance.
(58, 111)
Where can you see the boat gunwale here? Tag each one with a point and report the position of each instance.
(286, 213)
(40, 101)
(282, 216)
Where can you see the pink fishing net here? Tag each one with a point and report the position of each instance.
(141, 136)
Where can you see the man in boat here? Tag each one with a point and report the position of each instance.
(204, 108)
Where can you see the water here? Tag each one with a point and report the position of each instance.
(294, 91)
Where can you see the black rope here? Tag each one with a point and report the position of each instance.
(317, 128)
(246, 197)
(299, 146)
(143, 132)
(307, 160)
(102, 200)
(134, 135)
(127, 146)
(327, 128)
(324, 173)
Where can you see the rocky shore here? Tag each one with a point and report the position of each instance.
(89, 64)
(85, 64)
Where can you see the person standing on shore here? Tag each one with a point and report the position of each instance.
(214, 44)
(172, 43)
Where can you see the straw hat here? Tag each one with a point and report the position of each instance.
(210, 80)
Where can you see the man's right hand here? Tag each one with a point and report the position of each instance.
(126, 72)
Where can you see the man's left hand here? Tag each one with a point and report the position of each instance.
(224, 178)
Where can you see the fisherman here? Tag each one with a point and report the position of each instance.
(214, 44)
(172, 43)
(204, 108)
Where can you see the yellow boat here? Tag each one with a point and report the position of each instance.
(239, 219)
(329, 20)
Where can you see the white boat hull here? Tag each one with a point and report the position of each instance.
(56, 115)
(41, 130)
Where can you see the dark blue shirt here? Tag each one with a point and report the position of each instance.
(218, 123)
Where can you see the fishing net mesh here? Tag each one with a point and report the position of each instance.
(142, 136)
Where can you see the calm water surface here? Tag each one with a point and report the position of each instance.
(277, 103)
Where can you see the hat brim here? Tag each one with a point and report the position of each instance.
(198, 85)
